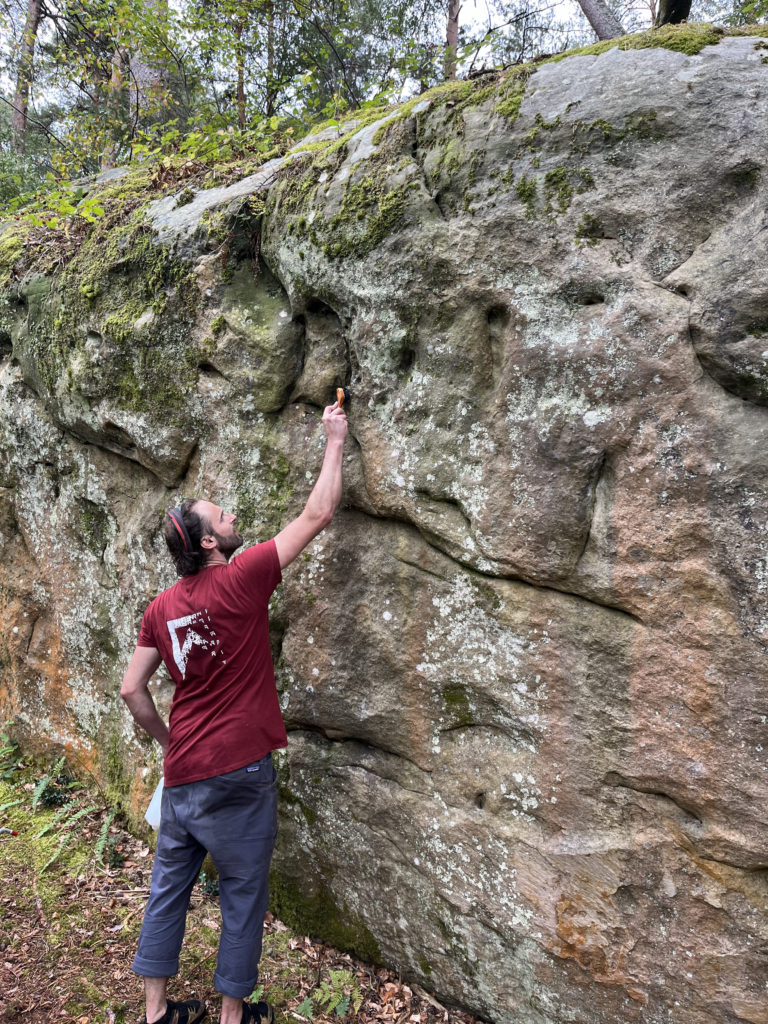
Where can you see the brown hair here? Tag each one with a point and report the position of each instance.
(188, 560)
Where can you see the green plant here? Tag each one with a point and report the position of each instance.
(58, 206)
(206, 141)
(101, 842)
(10, 759)
(337, 996)
(46, 791)
(58, 788)
(209, 885)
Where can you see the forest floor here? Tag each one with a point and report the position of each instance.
(73, 886)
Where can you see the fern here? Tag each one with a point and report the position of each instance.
(306, 1009)
(61, 813)
(41, 784)
(330, 997)
(46, 780)
(336, 995)
(65, 812)
(357, 998)
(63, 843)
(101, 842)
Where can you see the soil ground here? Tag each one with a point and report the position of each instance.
(73, 887)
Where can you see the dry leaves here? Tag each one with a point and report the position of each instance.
(66, 959)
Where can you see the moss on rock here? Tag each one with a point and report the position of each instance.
(456, 703)
(369, 212)
(263, 494)
(317, 914)
(11, 249)
(689, 38)
(119, 277)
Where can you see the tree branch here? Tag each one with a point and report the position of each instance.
(602, 19)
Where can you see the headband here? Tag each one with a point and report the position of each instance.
(178, 522)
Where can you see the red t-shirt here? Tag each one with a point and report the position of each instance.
(212, 632)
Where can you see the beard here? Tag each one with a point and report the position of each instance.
(228, 545)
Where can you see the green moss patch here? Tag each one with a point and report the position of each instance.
(318, 915)
(11, 248)
(259, 506)
(85, 331)
(369, 212)
(457, 706)
(687, 38)
(526, 189)
(589, 229)
(511, 91)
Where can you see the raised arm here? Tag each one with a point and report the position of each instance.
(326, 493)
(135, 693)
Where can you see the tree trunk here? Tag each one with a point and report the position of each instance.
(451, 39)
(24, 76)
(240, 64)
(114, 103)
(150, 75)
(271, 88)
(602, 19)
(672, 12)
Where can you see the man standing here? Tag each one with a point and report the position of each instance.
(211, 630)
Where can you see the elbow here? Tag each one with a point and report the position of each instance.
(127, 691)
(326, 518)
(323, 517)
(330, 509)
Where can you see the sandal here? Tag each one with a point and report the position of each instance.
(182, 1013)
(257, 1013)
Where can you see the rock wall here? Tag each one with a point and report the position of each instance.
(523, 671)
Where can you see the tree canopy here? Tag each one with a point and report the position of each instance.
(89, 84)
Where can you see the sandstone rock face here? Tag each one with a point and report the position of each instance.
(524, 670)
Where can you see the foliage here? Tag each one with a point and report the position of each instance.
(57, 790)
(209, 883)
(340, 994)
(104, 838)
(10, 754)
(56, 207)
(117, 81)
(20, 173)
(62, 920)
(122, 82)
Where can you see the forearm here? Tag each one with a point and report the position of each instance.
(326, 494)
(135, 693)
(144, 712)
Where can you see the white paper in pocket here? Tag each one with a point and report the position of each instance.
(153, 811)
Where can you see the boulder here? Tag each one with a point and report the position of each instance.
(522, 670)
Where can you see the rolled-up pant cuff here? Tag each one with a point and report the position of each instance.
(237, 990)
(155, 968)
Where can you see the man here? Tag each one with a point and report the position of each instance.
(211, 630)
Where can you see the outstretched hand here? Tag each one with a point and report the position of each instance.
(335, 422)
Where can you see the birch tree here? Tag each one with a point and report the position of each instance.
(602, 19)
(452, 39)
(25, 75)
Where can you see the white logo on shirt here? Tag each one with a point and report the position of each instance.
(202, 635)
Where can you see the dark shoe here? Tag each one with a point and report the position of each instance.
(257, 1013)
(182, 1013)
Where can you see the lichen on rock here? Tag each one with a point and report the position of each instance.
(520, 670)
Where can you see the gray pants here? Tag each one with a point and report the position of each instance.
(234, 818)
